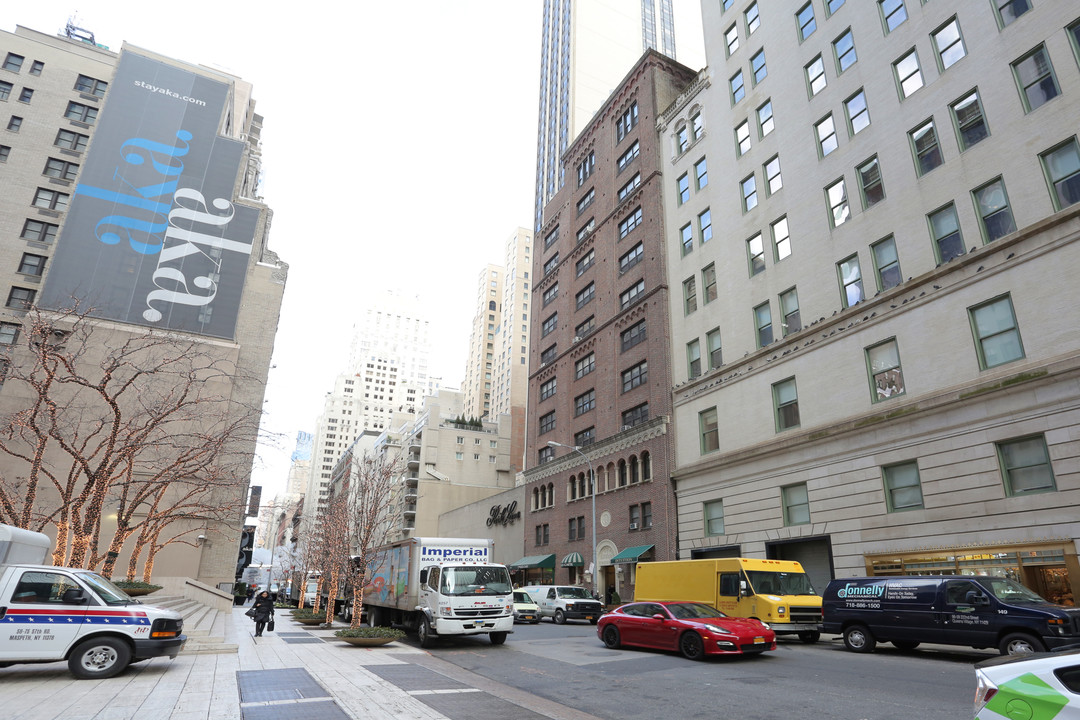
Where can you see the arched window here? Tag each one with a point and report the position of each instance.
(634, 469)
(491, 305)
(610, 485)
(572, 489)
(622, 473)
(646, 466)
(581, 485)
(536, 499)
(551, 494)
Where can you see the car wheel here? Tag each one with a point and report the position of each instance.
(560, 618)
(809, 636)
(1020, 644)
(858, 639)
(99, 658)
(691, 646)
(497, 638)
(611, 637)
(423, 631)
(906, 644)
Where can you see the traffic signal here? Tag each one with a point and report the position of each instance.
(247, 544)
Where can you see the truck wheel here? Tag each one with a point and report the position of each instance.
(372, 616)
(906, 644)
(809, 636)
(99, 658)
(1020, 644)
(611, 637)
(857, 638)
(423, 631)
(560, 618)
(497, 638)
(691, 647)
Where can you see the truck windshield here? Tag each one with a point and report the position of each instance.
(108, 592)
(1011, 591)
(575, 593)
(473, 580)
(780, 583)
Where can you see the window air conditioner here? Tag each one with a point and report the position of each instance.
(633, 526)
(577, 338)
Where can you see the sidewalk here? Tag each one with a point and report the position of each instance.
(294, 673)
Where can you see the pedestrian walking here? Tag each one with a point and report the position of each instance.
(262, 612)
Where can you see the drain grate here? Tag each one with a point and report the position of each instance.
(301, 640)
(282, 684)
(292, 634)
(320, 710)
(413, 677)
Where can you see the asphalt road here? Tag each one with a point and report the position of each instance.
(569, 665)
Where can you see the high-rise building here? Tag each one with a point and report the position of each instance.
(874, 231)
(586, 47)
(131, 186)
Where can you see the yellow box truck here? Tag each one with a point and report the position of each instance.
(776, 592)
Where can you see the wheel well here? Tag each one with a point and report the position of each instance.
(1020, 631)
(96, 636)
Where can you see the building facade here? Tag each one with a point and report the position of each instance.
(873, 228)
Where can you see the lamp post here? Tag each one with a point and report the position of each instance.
(592, 491)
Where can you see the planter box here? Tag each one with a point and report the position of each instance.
(366, 642)
(310, 621)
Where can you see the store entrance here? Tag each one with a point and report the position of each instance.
(1050, 581)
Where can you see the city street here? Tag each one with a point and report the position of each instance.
(569, 665)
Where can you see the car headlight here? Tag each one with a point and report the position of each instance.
(446, 611)
(718, 629)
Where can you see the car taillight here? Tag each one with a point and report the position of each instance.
(984, 690)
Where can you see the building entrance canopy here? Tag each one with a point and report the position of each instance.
(534, 561)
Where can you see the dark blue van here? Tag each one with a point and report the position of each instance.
(979, 612)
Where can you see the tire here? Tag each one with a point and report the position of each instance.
(1020, 644)
(857, 638)
(611, 637)
(497, 638)
(809, 636)
(99, 658)
(560, 617)
(691, 646)
(906, 644)
(423, 631)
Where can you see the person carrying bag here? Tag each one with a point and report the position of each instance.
(262, 612)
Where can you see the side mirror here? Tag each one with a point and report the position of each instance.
(658, 616)
(744, 590)
(981, 600)
(423, 577)
(73, 596)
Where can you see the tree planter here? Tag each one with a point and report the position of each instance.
(310, 621)
(367, 642)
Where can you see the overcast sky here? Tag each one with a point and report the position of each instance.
(399, 148)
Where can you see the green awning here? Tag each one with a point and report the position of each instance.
(534, 561)
(574, 559)
(630, 555)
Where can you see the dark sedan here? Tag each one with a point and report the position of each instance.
(694, 629)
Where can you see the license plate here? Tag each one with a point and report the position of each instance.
(527, 617)
(759, 640)
(588, 617)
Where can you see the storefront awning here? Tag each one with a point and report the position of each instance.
(630, 555)
(534, 561)
(574, 559)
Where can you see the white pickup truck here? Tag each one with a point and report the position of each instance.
(49, 614)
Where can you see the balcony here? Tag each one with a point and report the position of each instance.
(410, 496)
(414, 461)
(412, 480)
(410, 511)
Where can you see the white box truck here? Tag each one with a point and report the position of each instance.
(440, 587)
(49, 613)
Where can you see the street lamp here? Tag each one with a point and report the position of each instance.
(592, 491)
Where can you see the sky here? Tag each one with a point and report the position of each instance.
(398, 152)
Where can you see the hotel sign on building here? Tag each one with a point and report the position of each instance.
(152, 236)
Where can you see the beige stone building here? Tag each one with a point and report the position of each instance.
(873, 241)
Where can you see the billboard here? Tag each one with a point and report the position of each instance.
(152, 236)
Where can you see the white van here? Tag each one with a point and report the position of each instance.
(48, 614)
(565, 602)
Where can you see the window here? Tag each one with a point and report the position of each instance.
(5, 90)
(629, 187)
(755, 251)
(586, 201)
(585, 263)
(851, 287)
(585, 327)
(945, 229)
(682, 187)
(1025, 465)
(1009, 10)
(831, 6)
(585, 168)
(546, 454)
(997, 336)
(547, 422)
(39, 231)
(886, 264)
(709, 431)
(14, 123)
(742, 138)
(870, 185)
(708, 283)
(551, 264)
(69, 140)
(581, 439)
(902, 488)
(584, 366)
(5, 153)
(893, 13)
(924, 144)
(705, 226)
(789, 310)
(701, 171)
(629, 223)
(738, 87)
(796, 504)
(633, 335)
(1035, 78)
(826, 135)
(805, 21)
(60, 169)
(635, 376)
(908, 74)
(628, 157)
(763, 324)
(584, 403)
(585, 296)
(686, 236)
(585, 229)
(781, 239)
(646, 514)
(858, 114)
(549, 324)
(632, 295)
(836, 195)
(1061, 166)
(550, 294)
(36, 67)
(80, 113)
(731, 39)
(753, 19)
(631, 258)
(697, 125)
(91, 86)
(551, 237)
(50, 199)
(886, 378)
(547, 389)
(757, 66)
(636, 416)
(9, 333)
(844, 50)
(749, 193)
(714, 517)
(995, 215)
(815, 76)
(635, 517)
(773, 180)
(693, 358)
(689, 295)
(627, 122)
(765, 119)
(970, 122)
(548, 354)
(26, 94)
(32, 264)
(21, 298)
(712, 342)
(948, 44)
(13, 62)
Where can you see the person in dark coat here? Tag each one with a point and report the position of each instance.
(264, 611)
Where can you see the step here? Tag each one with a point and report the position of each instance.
(192, 647)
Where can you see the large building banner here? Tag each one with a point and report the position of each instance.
(152, 236)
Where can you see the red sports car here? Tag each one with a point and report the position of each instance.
(694, 629)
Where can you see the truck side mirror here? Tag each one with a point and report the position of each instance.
(744, 590)
(423, 576)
